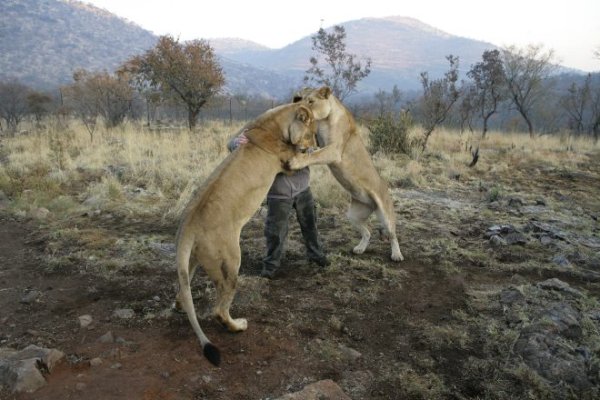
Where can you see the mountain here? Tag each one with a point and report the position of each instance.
(43, 41)
(400, 49)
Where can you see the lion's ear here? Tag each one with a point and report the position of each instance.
(324, 92)
(303, 114)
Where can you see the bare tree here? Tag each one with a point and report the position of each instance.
(188, 72)
(13, 103)
(99, 94)
(342, 71)
(39, 105)
(488, 85)
(466, 107)
(526, 75)
(387, 102)
(439, 95)
(576, 102)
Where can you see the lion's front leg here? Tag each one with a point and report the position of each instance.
(326, 155)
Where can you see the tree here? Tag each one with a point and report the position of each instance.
(39, 105)
(526, 75)
(13, 103)
(188, 72)
(99, 94)
(387, 102)
(576, 101)
(488, 85)
(342, 71)
(439, 95)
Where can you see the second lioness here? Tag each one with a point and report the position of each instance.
(212, 221)
(343, 150)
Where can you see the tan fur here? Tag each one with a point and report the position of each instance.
(212, 222)
(343, 150)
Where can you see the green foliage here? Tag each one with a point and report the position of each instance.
(342, 71)
(391, 134)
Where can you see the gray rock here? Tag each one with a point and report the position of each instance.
(349, 353)
(561, 260)
(557, 284)
(510, 296)
(515, 238)
(497, 241)
(21, 371)
(107, 338)
(30, 297)
(85, 320)
(95, 362)
(321, 390)
(124, 313)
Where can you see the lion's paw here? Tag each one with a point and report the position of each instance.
(239, 325)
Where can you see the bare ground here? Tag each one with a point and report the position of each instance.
(435, 326)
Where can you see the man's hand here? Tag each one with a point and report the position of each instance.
(241, 139)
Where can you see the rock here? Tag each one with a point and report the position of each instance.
(557, 284)
(545, 240)
(39, 213)
(561, 260)
(515, 238)
(322, 390)
(30, 297)
(85, 321)
(95, 362)
(540, 201)
(21, 371)
(80, 386)
(511, 295)
(497, 241)
(124, 313)
(515, 202)
(349, 353)
(107, 338)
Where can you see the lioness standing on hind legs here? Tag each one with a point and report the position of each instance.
(212, 221)
(343, 150)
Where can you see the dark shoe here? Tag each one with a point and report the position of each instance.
(322, 262)
(268, 273)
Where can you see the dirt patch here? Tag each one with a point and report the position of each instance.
(462, 317)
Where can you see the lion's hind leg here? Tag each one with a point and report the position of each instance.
(358, 214)
(388, 224)
(225, 279)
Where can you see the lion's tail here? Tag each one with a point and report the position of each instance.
(184, 250)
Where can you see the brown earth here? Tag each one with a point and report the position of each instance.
(429, 327)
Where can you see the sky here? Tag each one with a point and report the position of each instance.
(571, 28)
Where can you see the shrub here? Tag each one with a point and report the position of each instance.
(392, 134)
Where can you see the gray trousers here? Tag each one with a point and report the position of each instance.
(277, 227)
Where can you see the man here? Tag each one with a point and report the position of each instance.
(288, 192)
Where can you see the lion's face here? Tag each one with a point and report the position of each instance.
(318, 100)
(303, 129)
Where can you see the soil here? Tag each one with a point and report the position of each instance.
(381, 330)
(160, 359)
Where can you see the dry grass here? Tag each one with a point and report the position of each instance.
(62, 170)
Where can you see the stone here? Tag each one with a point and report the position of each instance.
(561, 260)
(95, 362)
(124, 313)
(30, 297)
(497, 241)
(39, 213)
(349, 353)
(21, 371)
(321, 390)
(85, 320)
(107, 338)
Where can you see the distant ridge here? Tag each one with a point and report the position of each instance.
(43, 41)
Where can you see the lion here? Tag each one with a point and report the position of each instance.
(343, 150)
(213, 219)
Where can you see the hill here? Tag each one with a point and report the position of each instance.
(44, 41)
